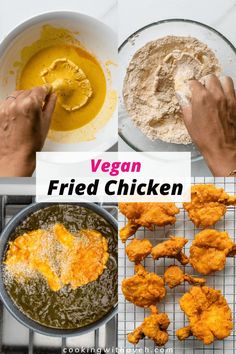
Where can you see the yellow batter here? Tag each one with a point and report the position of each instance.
(76, 77)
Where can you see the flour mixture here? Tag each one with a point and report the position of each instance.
(157, 74)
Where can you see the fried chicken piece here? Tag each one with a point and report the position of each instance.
(154, 327)
(209, 251)
(208, 204)
(171, 248)
(59, 256)
(209, 315)
(26, 256)
(175, 276)
(137, 250)
(143, 289)
(85, 260)
(147, 215)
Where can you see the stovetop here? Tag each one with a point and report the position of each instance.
(17, 339)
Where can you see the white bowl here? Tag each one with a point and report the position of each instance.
(98, 38)
(224, 50)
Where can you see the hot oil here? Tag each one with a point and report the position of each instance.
(67, 309)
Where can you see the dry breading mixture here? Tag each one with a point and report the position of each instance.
(156, 75)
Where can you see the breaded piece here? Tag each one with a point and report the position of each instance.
(171, 248)
(86, 260)
(143, 289)
(209, 251)
(174, 276)
(154, 327)
(137, 250)
(147, 215)
(209, 315)
(208, 204)
(58, 256)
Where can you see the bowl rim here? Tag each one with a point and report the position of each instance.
(12, 34)
(47, 16)
(9, 303)
(132, 146)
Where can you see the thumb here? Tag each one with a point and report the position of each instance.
(49, 106)
(187, 114)
(186, 107)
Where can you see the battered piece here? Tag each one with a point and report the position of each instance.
(156, 73)
(209, 315)
(147, 215)
(208, 204)
(171, 248)
(60, 257)
(209, 251)
(143, 289)
(137, 250)
(154, 327)
(174, 276)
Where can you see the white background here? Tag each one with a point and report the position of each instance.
(220, 14)
(13, 12)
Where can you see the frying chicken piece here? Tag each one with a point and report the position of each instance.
(86, 260)
(175, 276)
(137, 250)
(59, 256)
(143, 289)
(208, 204)
(171, 248)
(147, 215)
(209, 251)
(209, 315)
(154, 327)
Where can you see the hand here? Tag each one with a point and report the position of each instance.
(211, 122)
(25, 118)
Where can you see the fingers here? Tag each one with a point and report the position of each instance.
(196, 86)
(228, 87)
(15, 94)
(213, 85)
(49, 107)
(40, 93)
(187, 114)
(197, 89)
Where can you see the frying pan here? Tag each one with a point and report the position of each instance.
(29, 219)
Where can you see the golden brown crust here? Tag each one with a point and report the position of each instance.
(147, 215)
(208, 204)
(174, 276)
(209, 315)
(209, 251)
(143, 289)
(171, 248)
(154, 327)
(137, 250)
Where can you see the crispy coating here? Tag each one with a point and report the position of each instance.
(208, 204)
(175, 276)
(137, 250)
(59, 256)
(209, 251)
(209, 315)
(83, 262)
(143, 289)
(147, 215)
(171, 248)
(154, 327)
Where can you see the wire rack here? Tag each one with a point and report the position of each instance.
(32, 342)
(130, 316)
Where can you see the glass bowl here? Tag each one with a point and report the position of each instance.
(221, 46)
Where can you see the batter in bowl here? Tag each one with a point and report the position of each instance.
(159, 73)
(75, 76)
